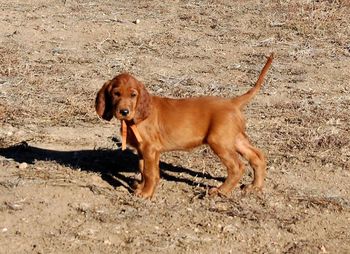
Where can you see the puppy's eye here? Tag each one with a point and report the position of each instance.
(117, 94)
(133, 95)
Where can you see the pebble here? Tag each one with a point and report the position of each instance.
(23, 165)
(108, 242)
(229, 229)
(137, 21)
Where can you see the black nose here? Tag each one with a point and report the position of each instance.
(124, 112)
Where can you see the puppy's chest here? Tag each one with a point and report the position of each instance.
(130, 138)
(142, 136)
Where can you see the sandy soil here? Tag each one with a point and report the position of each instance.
(65, 183)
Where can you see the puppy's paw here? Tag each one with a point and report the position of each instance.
(138, 185)
(251, 188)
(217, 192)
(141, 193)
(213, 192)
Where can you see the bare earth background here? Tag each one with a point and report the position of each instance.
(64, 183)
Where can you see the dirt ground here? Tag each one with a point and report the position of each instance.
(65, 183)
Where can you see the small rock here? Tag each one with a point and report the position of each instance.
(4, 230)
(23, 165)
(229, 229)
(323, 249)
(108, 242)
(137, 21)
(84, 207)
(221, 207)
(57, 50)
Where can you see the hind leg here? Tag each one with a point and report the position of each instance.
(256, 160)
(235, 167)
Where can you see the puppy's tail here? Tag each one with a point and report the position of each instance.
(243, 100)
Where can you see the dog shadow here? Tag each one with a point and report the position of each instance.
(111, 164)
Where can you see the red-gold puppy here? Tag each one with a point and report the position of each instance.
(166, 124)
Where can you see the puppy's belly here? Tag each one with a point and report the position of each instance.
(183, 139)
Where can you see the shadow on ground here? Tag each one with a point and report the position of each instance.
(111, 164)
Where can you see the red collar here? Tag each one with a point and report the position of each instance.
(125, 133)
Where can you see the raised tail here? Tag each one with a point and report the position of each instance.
(243, 100)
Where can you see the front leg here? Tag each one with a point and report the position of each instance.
(138, 184)
(150, 173)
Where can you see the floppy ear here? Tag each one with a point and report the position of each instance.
(103, 104)
(143, 106)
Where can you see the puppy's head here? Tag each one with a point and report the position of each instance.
(125, 98)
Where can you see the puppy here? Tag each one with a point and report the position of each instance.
(154, 124)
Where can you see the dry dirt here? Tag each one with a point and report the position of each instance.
(65, 183)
